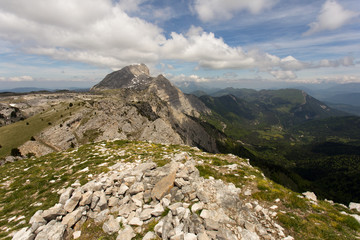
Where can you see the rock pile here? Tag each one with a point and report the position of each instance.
(169, 202)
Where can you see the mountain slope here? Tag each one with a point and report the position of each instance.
(234, 199)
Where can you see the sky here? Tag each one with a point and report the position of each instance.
(258, 43)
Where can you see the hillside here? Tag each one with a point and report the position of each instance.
(211, 196)
(281, 131)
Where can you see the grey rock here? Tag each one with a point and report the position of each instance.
(149, 236)
(146, 214)
(101, 216)
(190, 236)
(113, 201)
(66, 195)
(70, 219)
(111, 225)
(86, 198)
(246, 234)
(71, 203)
(136, 221)
(203, 236)
(123, 188)
(158, 210)
(24, 234)
(102, 203)
(126, 234)
(53, 212)
(52, 231)
(38, 218)
(211, 225)
(136, 188)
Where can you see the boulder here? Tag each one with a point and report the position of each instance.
(70, 219)
(53, 212)
(24, 234)
(71, 203)
(86, 198)
(164, 186)
(126, 234)
(136, 188)
(66, 195)
(53, 230)
(310, 196)
(355, 206)
(111, 225)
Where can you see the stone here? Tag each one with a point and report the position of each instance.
(123, 188)
(288, 238)
(113, 201)
(180, 182)
(146, 214)
(66, 195)
(76, 234)
(53, 212)
(203, 236)
(355, 206)
(102, 203)
(70, 219)
(101, 216)
(310, 196)
(163, 187)
(250, 226)
(211, 225)
(159, 227)
(158, 210)
(126, 234)
(136, 221)
(86, 198)
(24, 234)
(92, 186)
(111, 225)
(190, 236)
(248, 235)
(53, 230)
(258, 208)
(197, 206)
(136, 188)
(38, 218)
(149, 236)
(71, 203)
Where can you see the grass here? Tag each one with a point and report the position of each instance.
(16, 134)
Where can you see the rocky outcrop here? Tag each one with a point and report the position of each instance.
(174, 199)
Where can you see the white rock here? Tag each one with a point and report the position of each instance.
(24, 234)
(310, 196)
(149, 236)
(289, 238)
(158, 210)
(197, 206)
(76, 234)
(126, 234)
(136, 221)
(146, 214)
(356, 206)
(190, 236)
(123, 188)
(111, 225)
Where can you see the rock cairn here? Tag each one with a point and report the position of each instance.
(174, 199)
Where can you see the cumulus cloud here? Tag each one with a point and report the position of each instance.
(331, 17)
(101, 33)
(209, 10)
(17, 79)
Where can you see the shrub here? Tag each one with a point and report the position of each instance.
(15, 152)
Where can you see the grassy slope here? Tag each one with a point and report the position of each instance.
(16, 134)
(40, 178)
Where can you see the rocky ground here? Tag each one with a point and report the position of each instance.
(124, 190)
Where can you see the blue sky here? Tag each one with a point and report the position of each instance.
(258, 43)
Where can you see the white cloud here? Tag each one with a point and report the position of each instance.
(186, 78)
(17, 79)
(283, 75)
(209, 10)
(331, 17)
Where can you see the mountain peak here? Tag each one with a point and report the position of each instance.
(133, 76)
(138, 69)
